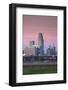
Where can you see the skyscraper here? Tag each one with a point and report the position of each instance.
(41, 44)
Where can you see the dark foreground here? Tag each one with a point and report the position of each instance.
(39, 65)
(43, 69)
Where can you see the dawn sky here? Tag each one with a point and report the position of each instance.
(47, 25)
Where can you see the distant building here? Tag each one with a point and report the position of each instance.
(26, 51)
(30, 51)
(51, 50)
(31, 43)
(41, 44)
(38, 49)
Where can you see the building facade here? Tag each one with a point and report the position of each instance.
(51, 51)
(31, 43)
(41, 44)
(30, 51)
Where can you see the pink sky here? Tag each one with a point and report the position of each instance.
(44, 24)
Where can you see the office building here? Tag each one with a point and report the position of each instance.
(41, 44)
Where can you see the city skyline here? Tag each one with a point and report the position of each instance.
(45, 24)
(38, 49)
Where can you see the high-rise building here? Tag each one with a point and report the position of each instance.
(32, 43)
(30, 51)
(41, 44)
(51, 50)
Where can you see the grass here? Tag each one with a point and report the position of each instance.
(39, 69)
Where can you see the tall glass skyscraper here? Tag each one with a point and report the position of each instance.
(41, 44)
